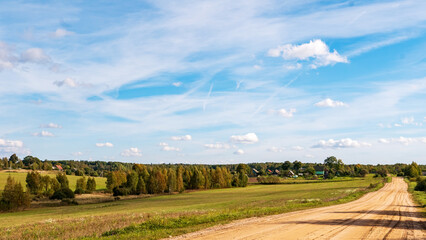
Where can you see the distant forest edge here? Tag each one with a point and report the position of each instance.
(134, 179)
(332, 166)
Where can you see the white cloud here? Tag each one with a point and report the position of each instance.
(249, 138)
(51, 125)
(182, 138)
(43, 134)
(107, 144)
(297, 148)
(330, 103)
(217, 146)
(169, 149)
(257, 67)
(401, 140)
(60, 32)
(315, 49)
(12, 146)
(35, 55)
(177, 84)
(309, 156)
(239, 152)
(285, 113)
(131, 152)
(165, 147)
(343, 143)
(67, 82)
(11, 143)
(276, 149)
(397, 125)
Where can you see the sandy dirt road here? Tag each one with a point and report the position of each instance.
(386, 214)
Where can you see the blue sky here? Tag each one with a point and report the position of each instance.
(214, 81)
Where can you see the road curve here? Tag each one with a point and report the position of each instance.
(388, 213)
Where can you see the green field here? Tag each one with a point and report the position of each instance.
(21, 176)
(419, 196)
(161, 216)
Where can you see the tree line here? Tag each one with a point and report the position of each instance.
(154, 180)
(14, 197)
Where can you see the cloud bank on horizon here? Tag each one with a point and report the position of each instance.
(214, 81)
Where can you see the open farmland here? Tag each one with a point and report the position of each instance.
(21, 175)
(199, 209)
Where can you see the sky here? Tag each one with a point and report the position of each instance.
(214, 82)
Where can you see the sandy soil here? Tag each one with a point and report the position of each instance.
(386, 214)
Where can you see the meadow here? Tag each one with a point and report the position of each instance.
(418, 196)
(20, 176)
(173, 214)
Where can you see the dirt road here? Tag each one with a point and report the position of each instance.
(386, 214)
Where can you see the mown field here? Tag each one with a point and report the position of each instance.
(21, 176)
(169, 215)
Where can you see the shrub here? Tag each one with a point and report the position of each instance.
(120, 191)
(268, 180)
(63, 193)
(421, 185)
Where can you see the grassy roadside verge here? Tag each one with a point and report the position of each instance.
(163, 227)
(418, 196)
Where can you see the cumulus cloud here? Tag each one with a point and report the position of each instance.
(11, 143)
(249, 138)
(131, 152)
(107, 144)
(165, 147)
(330, 103)
(217, 146)
(43, 134)
(60, 32)
(342, 143)
(182, 138)
(177, 84)
(12, 146)
(239, 152)
(51, 125)
(316, 50)
(276, 149)
(34, 55)
(284, 112)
